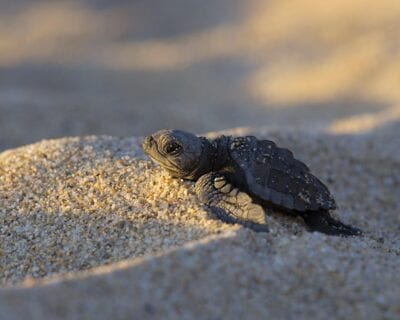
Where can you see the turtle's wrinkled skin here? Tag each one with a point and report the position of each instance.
(240, 177)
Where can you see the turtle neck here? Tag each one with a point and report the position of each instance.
(213, 157)
(219, 152)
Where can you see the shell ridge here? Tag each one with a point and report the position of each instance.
(274, 175)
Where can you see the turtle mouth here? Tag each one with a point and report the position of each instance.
(168, 166)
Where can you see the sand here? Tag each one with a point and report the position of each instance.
(124, 68)
(90, 228)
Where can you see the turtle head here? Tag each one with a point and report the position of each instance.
(177, 151)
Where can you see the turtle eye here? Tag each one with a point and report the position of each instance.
(173, 148)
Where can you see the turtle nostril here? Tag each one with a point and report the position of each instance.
(148, 141)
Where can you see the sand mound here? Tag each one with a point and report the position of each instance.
(79, 203)
(72, 204)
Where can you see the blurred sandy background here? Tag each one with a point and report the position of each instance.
(130, 67)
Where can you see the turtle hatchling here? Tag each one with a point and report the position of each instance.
(239, 178)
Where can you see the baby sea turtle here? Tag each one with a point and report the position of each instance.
(237, 177)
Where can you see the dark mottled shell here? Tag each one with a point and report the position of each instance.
(275, 176)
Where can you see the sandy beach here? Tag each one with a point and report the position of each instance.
(126, 68)
(91, 228)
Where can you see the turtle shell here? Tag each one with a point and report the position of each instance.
(273, 175)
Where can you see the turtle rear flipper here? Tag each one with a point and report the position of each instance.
(229, 203)
(322, 221)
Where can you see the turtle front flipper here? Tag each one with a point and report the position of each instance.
(229, 203)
